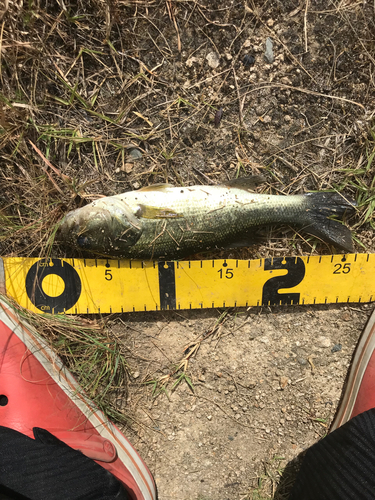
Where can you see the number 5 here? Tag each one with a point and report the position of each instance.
(108, 276)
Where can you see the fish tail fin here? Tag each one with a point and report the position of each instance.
(322, 206)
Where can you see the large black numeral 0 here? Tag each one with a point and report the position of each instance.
(40, 299)
(296, 273)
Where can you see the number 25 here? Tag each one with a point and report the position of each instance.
(344, 269)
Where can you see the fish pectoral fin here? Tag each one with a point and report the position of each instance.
(156, 187)
(129, 237)
(148, 212)
(246, 183)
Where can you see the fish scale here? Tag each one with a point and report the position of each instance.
(212, 217)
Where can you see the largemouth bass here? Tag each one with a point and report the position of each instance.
(164, 222)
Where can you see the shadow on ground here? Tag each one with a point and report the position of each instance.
(288, 478)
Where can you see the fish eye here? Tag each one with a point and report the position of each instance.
(83, 241)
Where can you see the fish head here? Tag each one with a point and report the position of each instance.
(105, 226)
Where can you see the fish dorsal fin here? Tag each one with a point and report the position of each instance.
(246, 183)
(156, 187)
(148, 212)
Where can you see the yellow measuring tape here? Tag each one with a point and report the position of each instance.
(86, 286)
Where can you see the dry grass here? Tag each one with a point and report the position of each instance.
(91, 352)
(82, 83)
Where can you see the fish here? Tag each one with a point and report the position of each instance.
(167, 222)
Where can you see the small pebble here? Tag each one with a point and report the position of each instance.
(218, 116)
(136, 374)
(189, 63)
(302, 361)
(336, 348)
(127, 167)
(346, 316)
(134, 154)
(286, 81)
(323, 342)
(264, 340)
(248, 60)
(268, 55)
(213, 60)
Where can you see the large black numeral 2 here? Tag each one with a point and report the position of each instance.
(296, 273)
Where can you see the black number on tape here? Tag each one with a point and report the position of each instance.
(296, 273)
(228, 273)
(340, 268)
(47, 303)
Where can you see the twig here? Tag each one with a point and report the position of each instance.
(202, 174)
(225, 412)
(64, 177)
(45, 170)
(305, 24)
(305, 91)
(240, 104)
(172, 17)
(1, 43)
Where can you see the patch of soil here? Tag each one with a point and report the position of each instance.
(265, 387)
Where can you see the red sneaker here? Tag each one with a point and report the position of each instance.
(38, 391)
(359, 394)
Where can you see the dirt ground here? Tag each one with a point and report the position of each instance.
(265, 387)
(117, 95)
